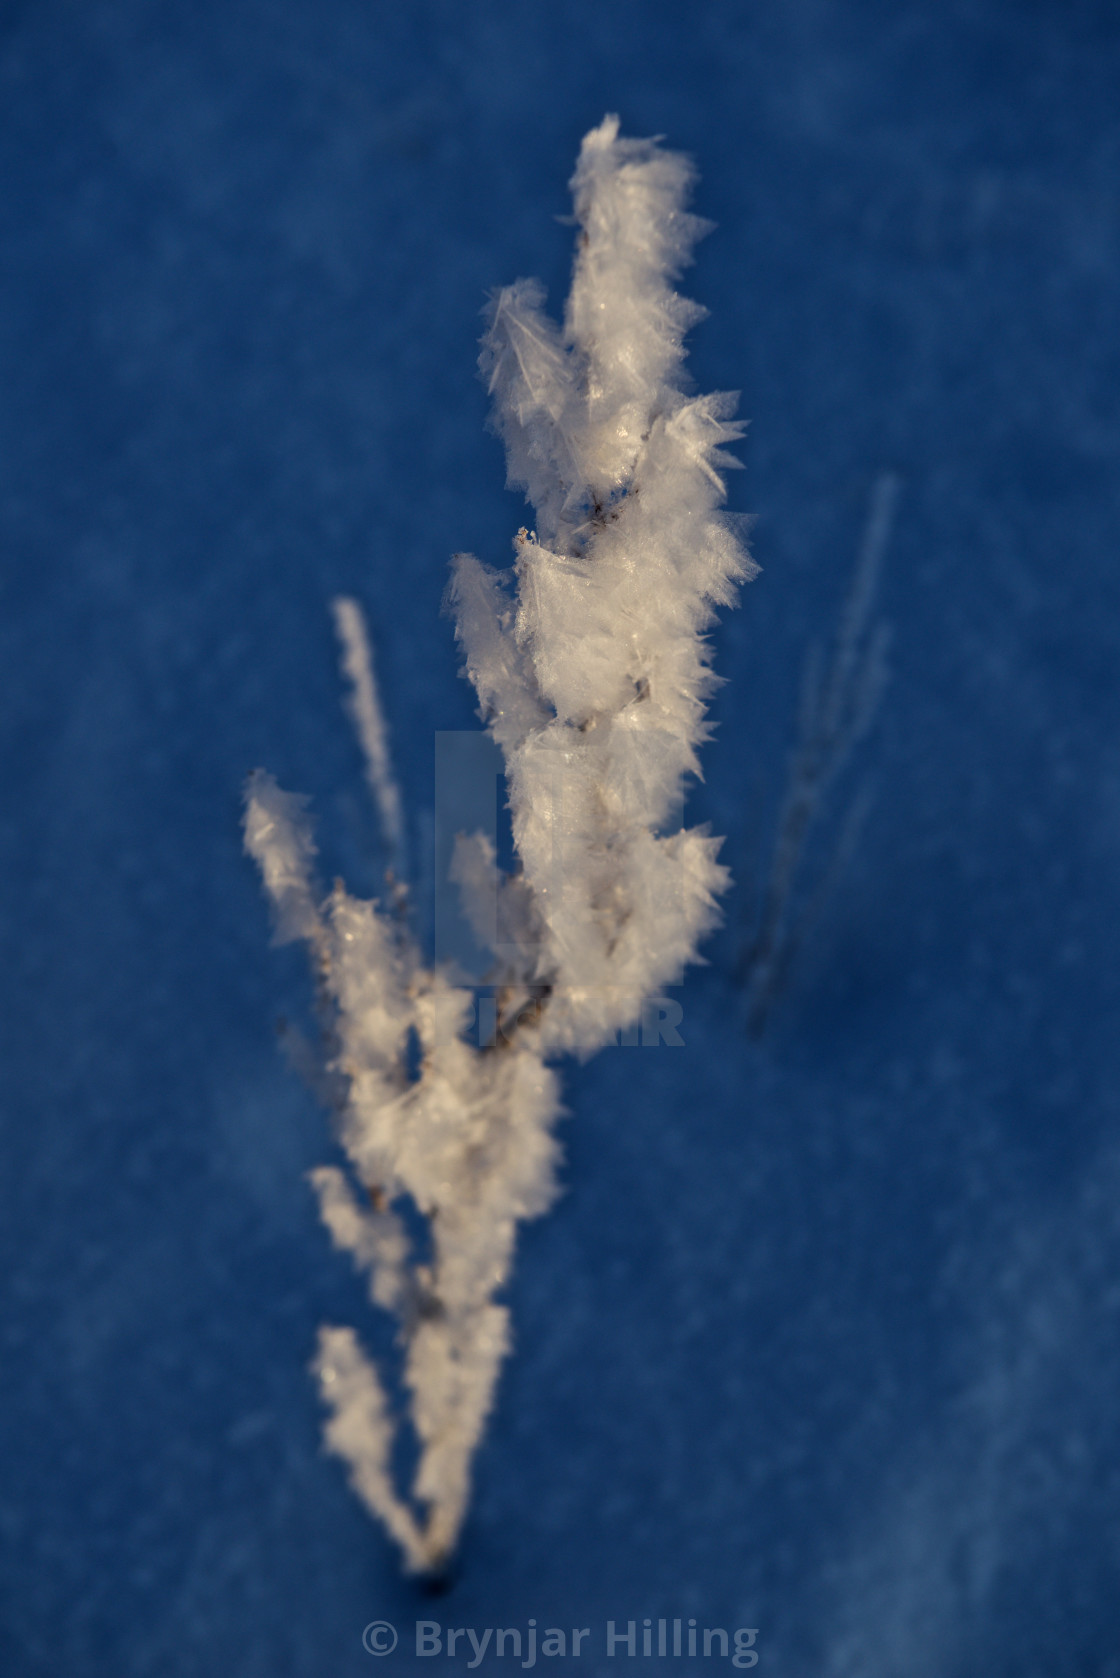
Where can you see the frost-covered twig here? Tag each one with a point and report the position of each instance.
(467, 1144)
(369, 725)
(836, 711)
(593, 675)
(591, 669)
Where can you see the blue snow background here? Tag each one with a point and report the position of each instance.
(823, 1337)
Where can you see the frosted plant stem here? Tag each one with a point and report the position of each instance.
(590, 662)
(369, 724)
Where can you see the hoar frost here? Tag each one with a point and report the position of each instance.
(591, 670)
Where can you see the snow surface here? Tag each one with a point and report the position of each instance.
(823, 1336)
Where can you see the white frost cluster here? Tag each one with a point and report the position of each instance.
(591, 669)
(468, 1142)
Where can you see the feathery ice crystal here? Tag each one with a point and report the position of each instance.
(591, 669)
